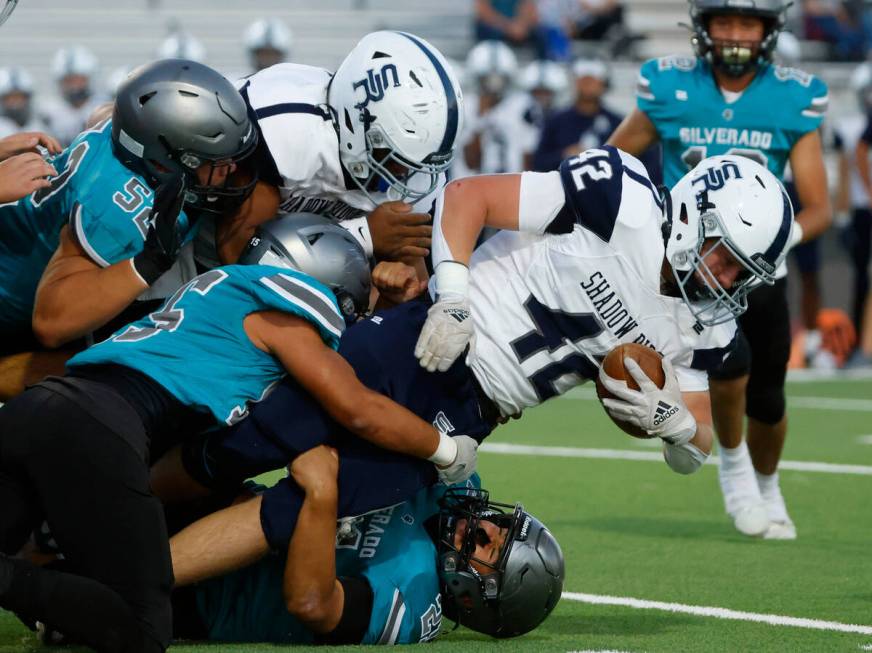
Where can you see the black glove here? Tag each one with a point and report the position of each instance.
(164, 238)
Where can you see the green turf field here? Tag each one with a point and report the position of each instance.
(633, 529)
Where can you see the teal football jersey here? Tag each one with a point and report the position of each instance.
(694, 120)
(105, 203)
(195, 345)
(390, 548)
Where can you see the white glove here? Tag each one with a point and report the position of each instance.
(445, 334)
(660, 413)
(464, 462)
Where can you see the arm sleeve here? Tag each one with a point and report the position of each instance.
(295, 293)
(356, 613)
(100, 237)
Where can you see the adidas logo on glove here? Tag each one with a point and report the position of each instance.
(664, 412)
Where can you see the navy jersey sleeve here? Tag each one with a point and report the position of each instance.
(592, 185)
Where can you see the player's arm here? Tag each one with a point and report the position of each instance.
(338, 609)
(810, 176)
(232, 233)
(76, 295)
(682, 420)
(329, 378)
(635, 134)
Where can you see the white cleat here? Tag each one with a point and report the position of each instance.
(779, 530)
(742, 498)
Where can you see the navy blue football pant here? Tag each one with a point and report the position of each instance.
(289, 422)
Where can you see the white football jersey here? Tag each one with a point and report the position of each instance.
(64, 121)
(290, 103)
(548, 306)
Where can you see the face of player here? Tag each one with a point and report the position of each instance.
(722, 265)
(266, 57)
(736, 37)
(16, 107)
(489, 541)
(589, 88)
(76, 89)
(215, 174)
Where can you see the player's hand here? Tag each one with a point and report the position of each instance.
(397, 282)
(23, 174)
(446, 333)
(659, 412)
(28, 142)
(464, 463)
(164, 238)
(398, 233)
(316, 470)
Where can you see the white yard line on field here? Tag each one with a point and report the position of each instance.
(813, 403)
(649, 456)
(719, 613)
(864, 439)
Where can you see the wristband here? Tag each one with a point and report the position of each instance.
(795, 234)
(452, 278)
(359, 229)
(147, 268)
(446, 452)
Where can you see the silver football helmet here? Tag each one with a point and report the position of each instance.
(732, 202)
(317, 246)
(268, 42)
(398, 108)
(172, 117)
(506, 597)
(736, 58)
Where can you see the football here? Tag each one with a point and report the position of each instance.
(651, 363)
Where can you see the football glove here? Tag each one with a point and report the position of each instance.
(446, 333)
(659, 412)
(164, 237)
(464, 462)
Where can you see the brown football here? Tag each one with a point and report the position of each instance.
(651, 363)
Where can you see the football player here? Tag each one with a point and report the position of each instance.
(591, 270)
(730, 99)
(75, 72)
(108, 230)
(388, 578)
(16, 102)
(352, 145)
(491, 140)
(268, 42)
(80, 443)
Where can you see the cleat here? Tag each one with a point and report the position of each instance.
(742, 499)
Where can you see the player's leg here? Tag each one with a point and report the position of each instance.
(92, 484)
(727, 387)
(17, 371)
(807, 256)
(769, 336)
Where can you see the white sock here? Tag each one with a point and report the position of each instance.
(768, 484)
(813, 340)
(735, 456)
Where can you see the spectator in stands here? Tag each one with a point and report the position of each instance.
(587, 123)
(16, 103)
(838, 23)
(515, 22)
(74, 69)
(268, 42)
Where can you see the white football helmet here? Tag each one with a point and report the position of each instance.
(267, 34)
(733, 202)
(15, 80)
(861, 84)
(182, 45)
(546, 75)
(74, 60)
(493, 66)
(398, 107)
